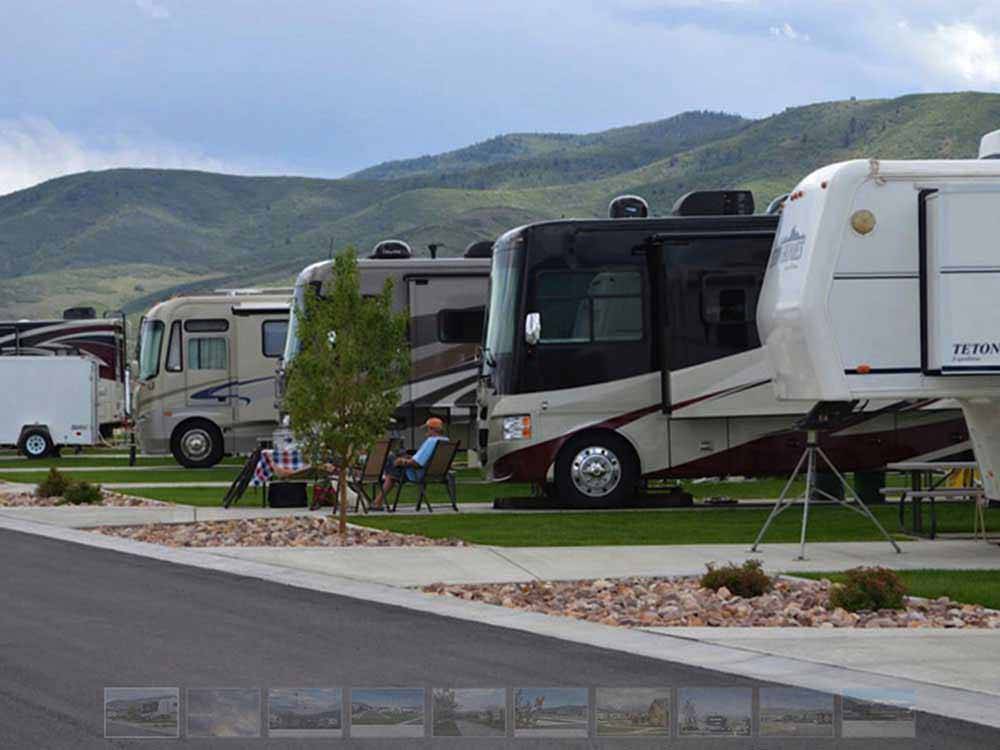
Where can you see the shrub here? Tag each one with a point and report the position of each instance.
(869, 589)
(747, 580)
(82, 493)
(54, 485)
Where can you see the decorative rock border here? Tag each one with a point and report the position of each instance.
(664, 602)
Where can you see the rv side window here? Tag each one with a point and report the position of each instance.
(595, 306)
(207, 325)
(729, 299)
(207, 354)
(175, 357)
(272, 337)
(461, 326)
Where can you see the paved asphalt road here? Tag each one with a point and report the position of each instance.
(75, 619)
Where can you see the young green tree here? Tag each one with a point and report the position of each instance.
(343, 386)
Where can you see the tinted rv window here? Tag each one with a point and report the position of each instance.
(594, 306)
(175, 359)
(207, 354)
(461, 326)
(150, 343)
(207, 325)
(273, 334)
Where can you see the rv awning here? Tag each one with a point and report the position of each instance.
(261, 308)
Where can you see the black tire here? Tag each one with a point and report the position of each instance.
(596, 470)
(36, 443)
(197, 444)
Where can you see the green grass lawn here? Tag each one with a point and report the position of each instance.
(212, 496)
(684, 526)
(166, 474)
(68, 461)
(966, 586)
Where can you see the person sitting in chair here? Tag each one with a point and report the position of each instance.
(413, 466)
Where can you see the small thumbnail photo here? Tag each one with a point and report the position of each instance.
(305, 712)
(469, 712)
(551, 712)
(223, 712)
(879, 713)
(387, 712)
(715, 712)
(795, 712)
(633, 712)
(141, 712)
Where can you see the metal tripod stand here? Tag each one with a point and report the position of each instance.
(810, 456)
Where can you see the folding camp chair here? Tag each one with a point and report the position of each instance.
(370, 475)
(242, 480)
(438, 471)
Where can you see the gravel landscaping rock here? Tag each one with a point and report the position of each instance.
(289, 531)
(662, 602)
(111, 499)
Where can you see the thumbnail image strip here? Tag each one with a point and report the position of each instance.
(715, 711)
(551, 712)
(131, 712)
(387, 712)
(305, 712)
(633, 712)
(469, 712)
(879, 713)
(223, 712)
(795, 712)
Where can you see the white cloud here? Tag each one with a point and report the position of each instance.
(33, 150)
(959, 51)
(152, 9)
(786, 31)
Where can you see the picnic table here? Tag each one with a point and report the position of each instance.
(926, 478)
(274, 462)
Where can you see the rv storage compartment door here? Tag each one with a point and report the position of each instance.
(961, 277)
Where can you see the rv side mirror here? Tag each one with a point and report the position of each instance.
(133, 368)
(533, 329)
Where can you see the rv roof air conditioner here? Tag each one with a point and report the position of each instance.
(391, 250)
(79, 313)
(481, 249)
(628, 207)
(715, 203)
(989, 146)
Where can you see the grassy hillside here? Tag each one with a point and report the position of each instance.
(129, 237)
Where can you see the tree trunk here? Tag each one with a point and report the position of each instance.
(342, 493)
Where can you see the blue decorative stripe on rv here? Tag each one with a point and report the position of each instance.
(213, 393)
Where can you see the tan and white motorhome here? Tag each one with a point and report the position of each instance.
(623, 349)
(446, 299)
(205, 382)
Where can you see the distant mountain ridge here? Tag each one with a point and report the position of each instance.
(128, 237)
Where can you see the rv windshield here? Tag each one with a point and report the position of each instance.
(501, 323)
(292, 337)
(150, 342)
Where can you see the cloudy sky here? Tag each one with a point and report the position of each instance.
(324, 87)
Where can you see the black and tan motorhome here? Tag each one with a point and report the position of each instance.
(624, 349)
(205, 381)
(446, 298)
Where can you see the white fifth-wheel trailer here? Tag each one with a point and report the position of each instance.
(205, 380)
(624, 349)
(883, 284)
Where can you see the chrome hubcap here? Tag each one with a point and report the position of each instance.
(596, 471)
(196, 444)
(35, 445)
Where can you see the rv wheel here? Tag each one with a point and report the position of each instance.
(36, 444)
(596, 470)
(197, 444)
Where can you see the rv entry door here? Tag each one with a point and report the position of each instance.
(207, 368)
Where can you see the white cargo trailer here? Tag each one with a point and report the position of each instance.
(47, 402)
